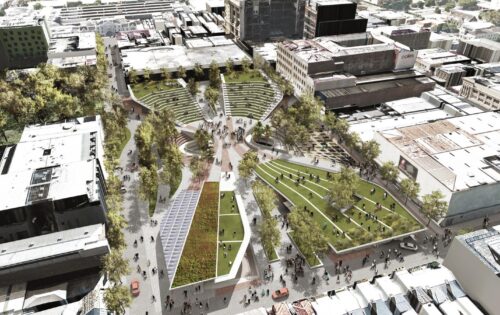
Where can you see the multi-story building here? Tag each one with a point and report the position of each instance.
(52, 206)
(483, 50)
(474, 259)
(352, 70)
(451, 75)
(24, 42)
(412, 37)
(261, 20)
(332, 17)
(483, 91)
(428, 60)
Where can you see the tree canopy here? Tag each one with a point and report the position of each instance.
(343, 188)
(433, 206)
(248, 164)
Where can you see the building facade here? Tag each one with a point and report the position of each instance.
(261, 20)
(483, 50)
(483, 91)
(24, 42)
(332, 17)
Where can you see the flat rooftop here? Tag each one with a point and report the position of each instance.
(54, 161)
(453, 150)
(171, 57)
(484, 244)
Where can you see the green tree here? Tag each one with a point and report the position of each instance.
(148, 182)
(203, 140)
(389, 172)
(268, 132)
(198, 71)
(37, 6)
(192, 86)
(265, 197)
(114, 233)
(420, 4)
(3, 124)
(248, 164)
(433, 206)
(132, 76)
(171, 172)
(343, 188)
(437, 10)
(115, 266)
(307, 233)
(370, 150)
(181, 72)
(165, 75)
(450, 5)
(212, 96)
(245, 65)
(144, 140)
(146, 74)
(338, 126)
(410, 188)
(430, 3)
(270, 235)
(214, 75)
(258, 131)
(352, 141)
(468, 4)
(196, 167)
(117, 299)
(491, 16)
(229, 67)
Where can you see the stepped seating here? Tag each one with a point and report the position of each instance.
(179, 100)
(249, 99)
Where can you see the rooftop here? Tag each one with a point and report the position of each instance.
(454, 149)
(485, 244)
(54, 161)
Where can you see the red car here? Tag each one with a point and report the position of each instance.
(281, 293)
(134, 288)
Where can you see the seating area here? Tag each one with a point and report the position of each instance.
(249, 99)
(178, 99)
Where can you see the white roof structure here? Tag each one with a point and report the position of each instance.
(54, 161)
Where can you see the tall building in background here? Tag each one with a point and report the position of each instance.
(24, 42)
(332, 17)
(261, 20)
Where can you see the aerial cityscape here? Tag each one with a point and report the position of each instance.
(250, 157)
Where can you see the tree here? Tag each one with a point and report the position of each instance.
(468, 4)
(114, 233)
(132, 76)
(229, 66)
(212, 96)
(338, 126)
(352, 141)
(270, 235)
(192, 86)
(370, 150)
(437, 10)
(148, 182)
(181, 72)
(268, 132)
(433, 207)
(389, 172)
(204, 142)
(165, 75)
(450, 5)
(430, 3)
(171, 172)
(258, 131)
(410, 188)
(117, 299)
(420, 4)
(37, 6)
(3, 124)
(146, 74)
(265, 197)
(198, 71)
(196, 167)
(307, 233)
(144, 139)
(115, 266)
(491, 16)
(343, 188)
(214, 75)
(248, 164)
(245, 65)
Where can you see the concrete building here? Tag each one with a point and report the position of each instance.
(451, 75)
(351, 70)
(483, 91)
(411, 36)
(457, 156)
(441, 40)
(332, 17)
(474, 258)
(261, 20)
(24, 41)
(53, 210)
(483, 50)
(428, 60)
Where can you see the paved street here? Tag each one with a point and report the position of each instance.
(150, 252)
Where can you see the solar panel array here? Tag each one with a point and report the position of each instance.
(175, 227)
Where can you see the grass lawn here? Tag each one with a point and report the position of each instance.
(198, 259)
(230, 222)
(13, 136)
(125, 139)
(240, 76)
(224, 263)
(352, 228)
(144, 88)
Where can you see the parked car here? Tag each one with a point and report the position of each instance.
(281, 293)
(134, 288)
(408, 246)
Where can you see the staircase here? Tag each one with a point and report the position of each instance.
(278, 97)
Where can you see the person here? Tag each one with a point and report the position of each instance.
(153, 298)
(135, 243)
(152, 238)
(142, 239)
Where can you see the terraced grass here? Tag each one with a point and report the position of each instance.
(251, 99)
(144, 88)
(199, 256)
(178, 99)
(240, 76)
(343, 231)
(229, 240)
